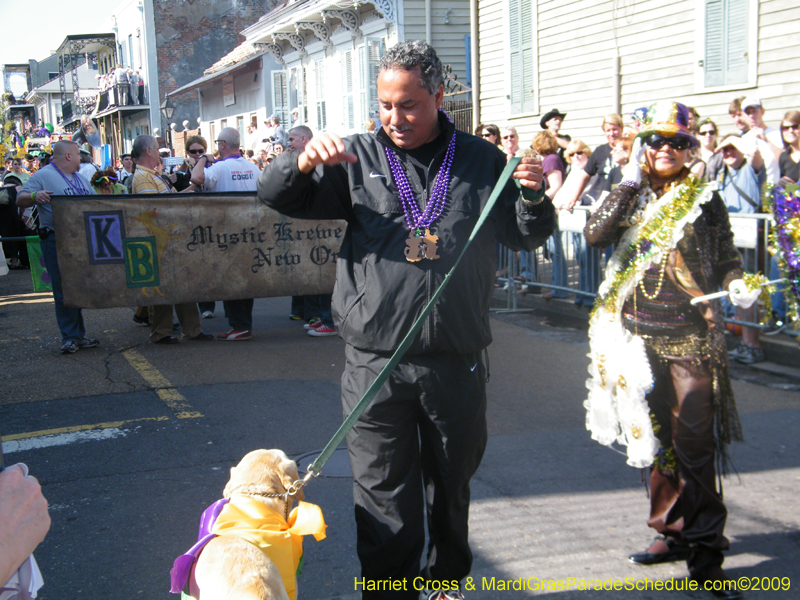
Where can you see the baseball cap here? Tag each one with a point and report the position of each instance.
(751, 102)
(737, 142)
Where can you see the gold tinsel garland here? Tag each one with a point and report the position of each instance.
(654, 236)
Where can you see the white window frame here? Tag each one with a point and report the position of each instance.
(350, 97)
(319, 103)
(507, 58)
(368, 74)
(700, 50)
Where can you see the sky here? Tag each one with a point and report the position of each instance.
(33, 30)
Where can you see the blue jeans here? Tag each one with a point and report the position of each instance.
(589, 274)
(559, 276)
(70, 320)
(777, 297)
(319, 306)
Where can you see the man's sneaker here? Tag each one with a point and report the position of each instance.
(235, 335)
(741, 350)
(69, 347)
(88, 343)
(140, 321)
(446, 595)
(167, 339)
(322, 331)
(207, 314)
(752, 354)
(294, 317)
(313, 323)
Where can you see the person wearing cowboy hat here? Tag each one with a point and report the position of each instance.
(551, 121)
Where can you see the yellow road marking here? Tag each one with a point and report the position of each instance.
(109, 425)
(28, 295)
(163, 388)
(4, 302)
(35, 337)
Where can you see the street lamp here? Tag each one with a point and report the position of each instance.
(167, 110)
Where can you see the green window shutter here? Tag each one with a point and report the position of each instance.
(522, 57)
(726, 59)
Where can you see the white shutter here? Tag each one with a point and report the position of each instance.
(280, 96)
(375, 50)
(348, 100)
(319, 92)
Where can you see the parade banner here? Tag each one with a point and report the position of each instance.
(141, 250)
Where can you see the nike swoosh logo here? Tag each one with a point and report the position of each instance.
(473, 368)
(373, 174)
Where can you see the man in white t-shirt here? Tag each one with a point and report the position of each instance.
(768, 140)
(231, 173)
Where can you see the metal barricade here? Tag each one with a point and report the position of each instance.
(565, 266)
(568, 268)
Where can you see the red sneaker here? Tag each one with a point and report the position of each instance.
(322, 331)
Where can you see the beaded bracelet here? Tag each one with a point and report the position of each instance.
(533, 202)
(631, 184)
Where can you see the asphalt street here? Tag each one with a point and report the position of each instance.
(132, 441)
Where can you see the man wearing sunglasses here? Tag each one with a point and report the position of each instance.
(768, 140)
(660, 379)
(510, 141)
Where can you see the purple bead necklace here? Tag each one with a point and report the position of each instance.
(421, 243)
(76, 185)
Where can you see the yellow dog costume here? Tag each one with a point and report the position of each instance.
(265, 528)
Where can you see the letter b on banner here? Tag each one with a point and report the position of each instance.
(141, 262)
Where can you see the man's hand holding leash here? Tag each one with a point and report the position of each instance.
(529, 172)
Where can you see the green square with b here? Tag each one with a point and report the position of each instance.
(141, 262)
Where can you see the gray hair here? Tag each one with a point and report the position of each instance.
(415, 53)
(230, 136)
(302, 130)
(141, 144)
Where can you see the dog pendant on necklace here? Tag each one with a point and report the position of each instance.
(421, 244)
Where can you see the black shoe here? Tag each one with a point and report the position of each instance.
(726, 587)
(675, 552)
(203, 337)
(140, 321)
(167, 339)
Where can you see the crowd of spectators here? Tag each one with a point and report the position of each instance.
(576, 175)
(143, 171)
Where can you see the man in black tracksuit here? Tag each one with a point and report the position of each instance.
(423, 436)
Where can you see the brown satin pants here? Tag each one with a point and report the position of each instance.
(161, 320)
(685, 504)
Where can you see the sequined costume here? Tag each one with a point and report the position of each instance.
(692, 406)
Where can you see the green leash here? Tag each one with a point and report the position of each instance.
(315, 467)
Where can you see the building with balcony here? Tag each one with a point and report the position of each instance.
(322, 57)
